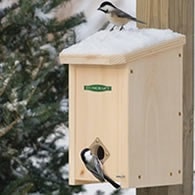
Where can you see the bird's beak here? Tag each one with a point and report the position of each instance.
(99, 8)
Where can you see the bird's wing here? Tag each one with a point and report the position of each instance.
(122, 14)
(97, 170)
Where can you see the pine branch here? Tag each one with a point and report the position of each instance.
(19, 187)
(53, 4)
(6, 129)
(6, 82)
(73, 21)
(4, 12)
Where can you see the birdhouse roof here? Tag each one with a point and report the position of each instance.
(119, 47)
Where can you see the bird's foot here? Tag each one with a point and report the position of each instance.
(112, 28)
(121, 28)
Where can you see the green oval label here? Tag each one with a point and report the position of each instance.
(97, 88)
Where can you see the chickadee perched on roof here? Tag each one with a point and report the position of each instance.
(116, 16)
(94, 165)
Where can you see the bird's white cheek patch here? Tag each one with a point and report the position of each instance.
(88, 157)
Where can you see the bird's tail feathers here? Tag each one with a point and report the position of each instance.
(117, 186)
(139, 21)
(136, 20)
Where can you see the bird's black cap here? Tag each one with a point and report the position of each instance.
(106, 3)
(83, 152)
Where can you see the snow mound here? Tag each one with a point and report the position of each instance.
(117, 42)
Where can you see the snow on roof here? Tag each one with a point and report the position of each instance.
(119, 42)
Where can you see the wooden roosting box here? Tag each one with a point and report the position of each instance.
(127, 107)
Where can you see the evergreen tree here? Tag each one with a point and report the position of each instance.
(32, 85)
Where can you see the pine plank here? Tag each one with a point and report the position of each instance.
(179, 16)
(153, 12)
(181, 19)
